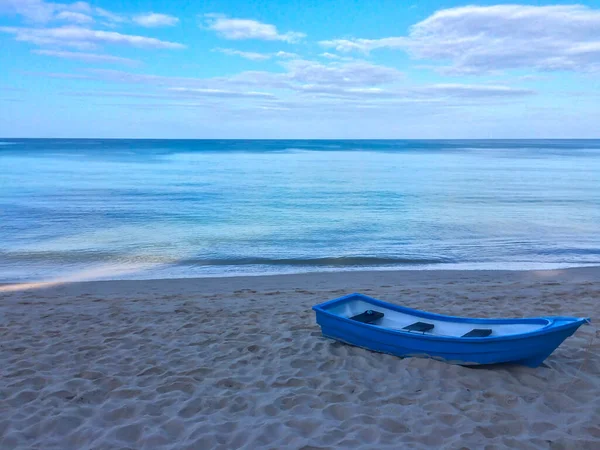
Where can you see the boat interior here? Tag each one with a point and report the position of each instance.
(374, 314)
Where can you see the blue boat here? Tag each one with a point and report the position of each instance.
(366, 322)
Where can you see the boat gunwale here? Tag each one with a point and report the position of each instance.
(550, 326)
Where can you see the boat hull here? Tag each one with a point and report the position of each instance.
(529, 349)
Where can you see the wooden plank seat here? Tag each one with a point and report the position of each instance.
(478, 332)
(420, 327)
(369, 316)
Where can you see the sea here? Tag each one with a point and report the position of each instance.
(80, 209)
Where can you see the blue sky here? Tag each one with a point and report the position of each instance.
(299, 69)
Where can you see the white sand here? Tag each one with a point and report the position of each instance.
(240, 363)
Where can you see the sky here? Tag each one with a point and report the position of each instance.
(314, 69)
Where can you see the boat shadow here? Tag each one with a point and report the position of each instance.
(498, 366)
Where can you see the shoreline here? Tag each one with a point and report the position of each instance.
(124, 273)
(581, 272)
(239, 362)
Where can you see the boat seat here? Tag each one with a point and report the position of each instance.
(421, 327)
(368, 316)
(478, 332)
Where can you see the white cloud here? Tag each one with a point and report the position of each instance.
(282, 54)
(75, 17)
(87, 57)
(84, 38)
(221, 93)
(253, 56)
(480, 39)
(66, 76)
(118, 76)
(330, 55)
(424, 93)
(331, 90)
(110, 16)
(474, 90)
(333, 56)
(155, 20)
(274, 102)
(343, 74)
(41, 11)
(298, 73)
(363, 45)
(315, 88)
(83, 7)
(33, 10)
(237, 29)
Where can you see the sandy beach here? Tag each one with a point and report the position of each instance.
(239, 362)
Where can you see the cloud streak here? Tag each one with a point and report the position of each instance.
(256, 56)
(33, 10)
(253, 56)
(282, 54)
(474, 91)
(333, 56)
(359, 79)
(153, 20)
(220, 93)
(311, 84)
(364, 45)
(81, 13)
(40, 11)
(341, 74)
(111, 17)
(238, 29)
(85, 38)
(88, 57)
(74, 17)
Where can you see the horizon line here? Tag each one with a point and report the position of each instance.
(302, 139)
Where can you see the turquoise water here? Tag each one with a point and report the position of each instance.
(145, 209)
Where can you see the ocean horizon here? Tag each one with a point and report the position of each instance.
(127, 208)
